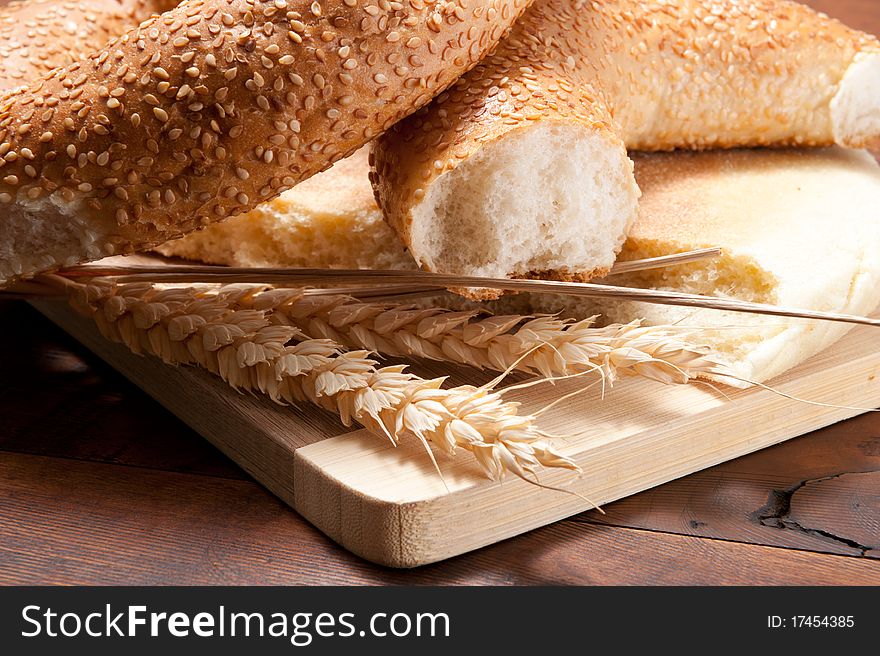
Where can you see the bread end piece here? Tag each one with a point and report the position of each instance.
(551, 200)
(40, 235)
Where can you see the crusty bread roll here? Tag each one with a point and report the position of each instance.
(39, 35)
(520, 169)
(212, 108)
(329, 221)
(797, 227)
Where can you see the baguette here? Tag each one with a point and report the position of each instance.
(39, 35)
(520, 169)
(211, 108)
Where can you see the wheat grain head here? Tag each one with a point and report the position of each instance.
(237, 333)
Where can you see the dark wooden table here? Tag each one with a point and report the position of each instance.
(100, 485)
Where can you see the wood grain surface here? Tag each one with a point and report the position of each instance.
(100, 485)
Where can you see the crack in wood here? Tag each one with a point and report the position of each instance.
(776, 513)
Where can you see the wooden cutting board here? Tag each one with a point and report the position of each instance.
(389, 505)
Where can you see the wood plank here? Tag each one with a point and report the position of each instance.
(67, 522)
(65, 401)
(742, 499)
(389, 506)
(851, 517)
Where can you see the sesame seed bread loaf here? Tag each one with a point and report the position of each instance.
(520, 168)
(212, 108)
(799, 228)
(329, 221)
(39, 35)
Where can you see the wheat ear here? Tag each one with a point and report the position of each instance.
(545, 345)
(234, 332)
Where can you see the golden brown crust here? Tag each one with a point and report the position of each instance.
(699, 200)
(39, 35)
(218, 105)
(651, 75)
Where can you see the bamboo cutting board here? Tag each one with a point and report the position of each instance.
(389, 505)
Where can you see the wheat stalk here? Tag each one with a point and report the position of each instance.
(147, 271)
(428, 283)
(235, 332)
(545, 345)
